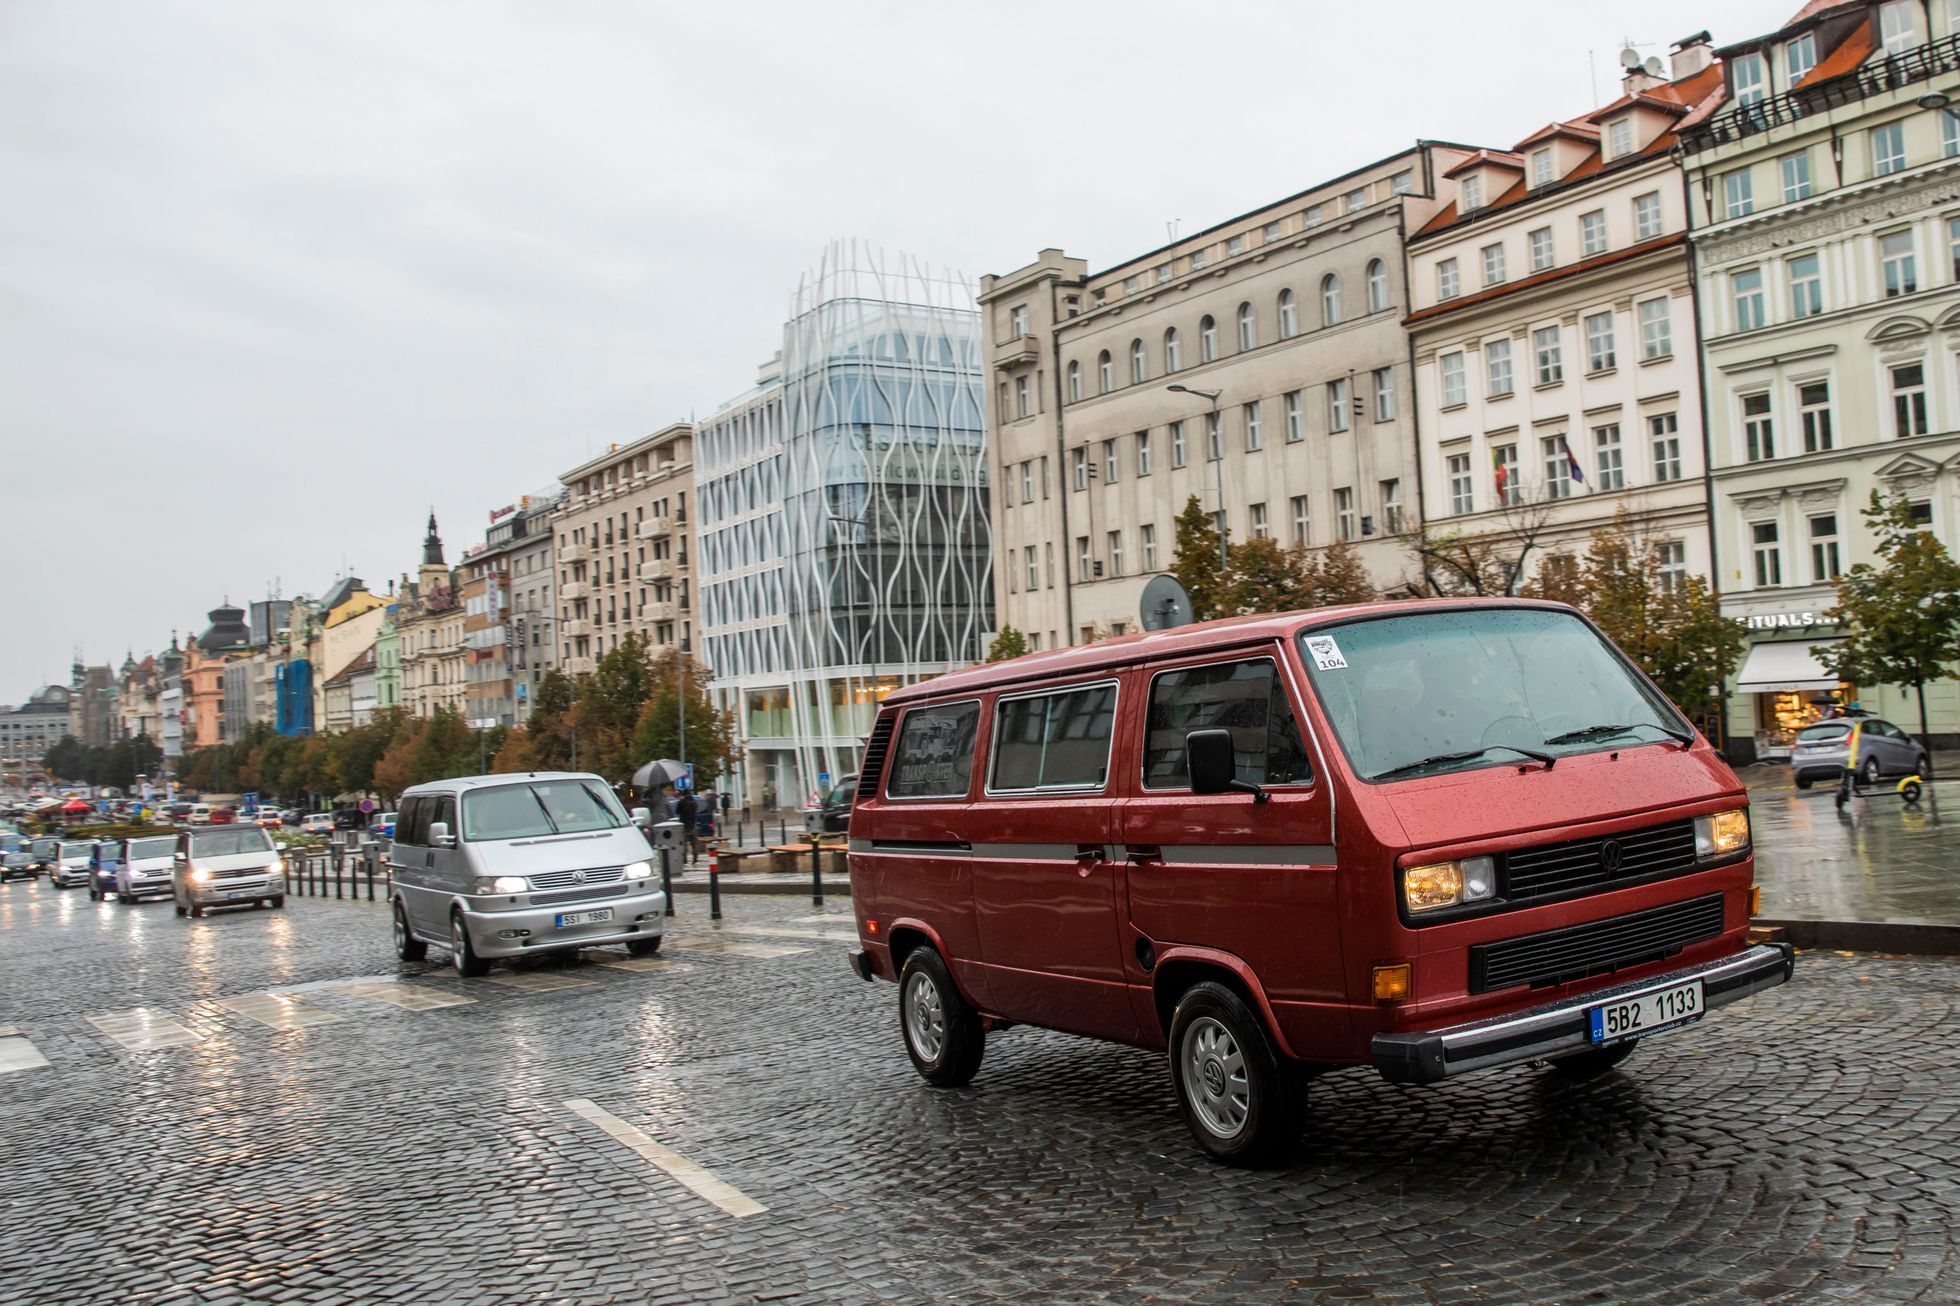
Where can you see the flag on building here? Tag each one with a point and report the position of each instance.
(1503, 473)
(1571, 462)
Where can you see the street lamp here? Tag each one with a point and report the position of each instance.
(1224, 559)
(1938, 100)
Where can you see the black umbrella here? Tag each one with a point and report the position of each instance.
(654, 774)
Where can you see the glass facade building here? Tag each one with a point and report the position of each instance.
(844, 528)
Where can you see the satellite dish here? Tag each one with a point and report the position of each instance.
(1629, 58)
(1653, 65)
(1165, 604)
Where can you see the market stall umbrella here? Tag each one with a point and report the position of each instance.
(655, 774)
(75, 805)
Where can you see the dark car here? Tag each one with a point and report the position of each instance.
(836, 805)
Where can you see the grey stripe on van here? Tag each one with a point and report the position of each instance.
(1226, 854)
(1252, 854)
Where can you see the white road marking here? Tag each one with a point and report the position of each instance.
(699, 1181)
(278, 1010)
(141, 1029)
(647, 965)
(537, 981)
(734, 948)
(409, 997)
(782, 932)
(17, 1053)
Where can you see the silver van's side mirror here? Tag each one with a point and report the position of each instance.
(642, 817)
(439, 836)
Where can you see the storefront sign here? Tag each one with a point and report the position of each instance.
(498, 514)
(1785, 621)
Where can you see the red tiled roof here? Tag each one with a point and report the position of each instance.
(1539, 279)
(1854, 50)
(1499, 158)
(1810, 7)
(1577, 130)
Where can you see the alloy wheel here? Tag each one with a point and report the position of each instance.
(1215, 1077)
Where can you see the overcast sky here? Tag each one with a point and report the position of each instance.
(277, 278)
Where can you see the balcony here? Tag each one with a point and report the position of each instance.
(655, 528)
(572, 553)
(659, 611)
(656, 569)
(1014, 353)
(579, 666)
(576, 627)
(574, 589)
(1919, 64)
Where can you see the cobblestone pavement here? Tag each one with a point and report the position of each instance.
(1876, 860)
(443, 1140)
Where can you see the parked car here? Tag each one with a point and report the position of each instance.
(226, 866)
(45, 851)
(383, 825)
(482, 867)
(1823, 750)
(105, 858)
(198, 814)
(224, 815)
(316, 823)
(18, 865)
(71, 864)
(349, 818)
(145, 866)
(1536, 858)
(834, 812)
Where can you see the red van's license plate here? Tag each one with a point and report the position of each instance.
(1646, 1013)
(584, 917)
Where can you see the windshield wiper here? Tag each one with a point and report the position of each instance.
(1437, 759)
(1607, 731)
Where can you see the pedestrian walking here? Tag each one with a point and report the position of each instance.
(769, 798)
(685, 808)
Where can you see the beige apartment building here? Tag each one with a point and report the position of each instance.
(621, 548)
(429, 615)
(1290, 315)
(1825, 186)
(1554, 334)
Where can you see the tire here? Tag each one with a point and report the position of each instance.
(407, 946)
(942, 1033)
(1591, 1064)
(196, 911)
(1241, 1101)
(1924, 768)
(468, 964)
(644, 947)
(277, 902)
(1869, 772)
(126, 899)
(1803, 782)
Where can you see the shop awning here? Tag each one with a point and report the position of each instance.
(1777, 668)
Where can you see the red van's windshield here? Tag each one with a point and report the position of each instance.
(1444, 691)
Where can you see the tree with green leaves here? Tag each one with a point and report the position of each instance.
(1009, 643)
(1902, 617)
(711, 745)
(551, 731)
(1194, 562)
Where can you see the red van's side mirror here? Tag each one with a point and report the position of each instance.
(1208, 757)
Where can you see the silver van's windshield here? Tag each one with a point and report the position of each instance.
(542, 807)
(1447, 691)
(162, 847)
(76, 849)
(230, 841)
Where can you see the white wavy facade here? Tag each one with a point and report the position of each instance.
(845, 539)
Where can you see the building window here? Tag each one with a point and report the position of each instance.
(1177, 444)
(1493, 256)
(1550, 354)
(1452, 370)
(1746, 292)
(1078, 462)
(1592, 232)
(1541, 167)
(1758, 427)
(1647, 215)
(1018, 321)
(1248, 329)
(1074, 382)
(1806, 286)
(1738, 194)
(1558, 468)
(1020, 396)
(1356, 201)
(1105, 378)
(1084, 564)
(1895, 28)
(1949, 127)
(1337, 405)
(1497, 364)
(1392, 506)
(1173, 353)
(1296, 429)
(1672, 559)
(1953, 245)
(1472, 191)
(1909, 400)
(1919, 515)
(1138, 363)
(1663, 430)
(1147, 537)
(1344, 513)
(1048, 562)
(1504, 462)
(1330, 300)
(1289, 316)
(1027, 481)
(1656, 329)
(1234, 245)
(1197, 259)
(1255, 437)
(1619, 138)
(1214, 437)
(1748, 79)
(1111, 471)
(1207, 339)
(1259, 528)
(1402, 182)
(1799, 57)
(1114, 544)
(1541, 249)
(1599, 342)
(1384, 394)
(1896, 262)
(1448, 282)
(1131, 285)
(1143, 453)
(1607, 457)
(1301, 525)
(1769, 557)
(1814, 415)
(1824, 547)
(1460, 484)
(1377, 285)
(1888, 149)
(1163, 273)
(1034, 575)
(1796, 176)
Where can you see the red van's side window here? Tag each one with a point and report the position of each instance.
(1246, 698)
(934, 757)
(1054, 741)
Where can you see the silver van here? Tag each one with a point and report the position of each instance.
(146, 863)
(503, 865)
(226, 866)
(71, 863)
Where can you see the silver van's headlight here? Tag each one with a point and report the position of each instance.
(503, 884)
(637, 870)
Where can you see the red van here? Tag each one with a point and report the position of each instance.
(1435, 837)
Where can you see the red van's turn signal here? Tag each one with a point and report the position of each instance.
(871, 927)
(1392, 983)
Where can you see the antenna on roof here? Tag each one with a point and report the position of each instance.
(1170, 227)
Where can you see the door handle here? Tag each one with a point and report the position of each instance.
(1086, 857)
(1146, 853)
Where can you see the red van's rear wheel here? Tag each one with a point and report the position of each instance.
(1243, 1103)
(942, 1033)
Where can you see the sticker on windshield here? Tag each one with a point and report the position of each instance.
(1326, 653)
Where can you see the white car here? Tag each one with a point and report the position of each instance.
(316, 823)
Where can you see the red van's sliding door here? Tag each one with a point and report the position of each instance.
(1253, 880)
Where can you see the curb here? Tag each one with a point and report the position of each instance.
(1916, 938)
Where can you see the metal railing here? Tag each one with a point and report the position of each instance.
(1918, 64)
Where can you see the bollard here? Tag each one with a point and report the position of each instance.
(336, 877)
(714, 884)
(816, 870)
(666, 882)
(782, 829)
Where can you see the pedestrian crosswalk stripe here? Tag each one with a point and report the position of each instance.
(735, 948)
(17, 1053)
(409, 997)
(644, 965)
(278, 1010)
(142, 1029)
(783, 932)
(697, 1180)
(536, 982)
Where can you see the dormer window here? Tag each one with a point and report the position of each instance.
(1800, 56)
(1619, 138)
(1472, 191)
(1895, 31)
(1541, 167)
(1748, 79)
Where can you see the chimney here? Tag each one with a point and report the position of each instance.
(1690, 56)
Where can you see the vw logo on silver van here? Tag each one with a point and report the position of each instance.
(578, 877)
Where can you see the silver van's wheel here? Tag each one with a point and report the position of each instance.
(1241, 1101)
(407, 946)
(943, 1034)
(468, 964)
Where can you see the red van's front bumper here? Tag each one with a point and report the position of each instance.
(1558, 1028)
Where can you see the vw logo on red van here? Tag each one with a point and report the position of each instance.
(1610, 856)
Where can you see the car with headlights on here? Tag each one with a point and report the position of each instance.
(72, 864)
(226, 866)
(144, 866)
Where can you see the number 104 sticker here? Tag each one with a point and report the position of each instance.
(1326, 653)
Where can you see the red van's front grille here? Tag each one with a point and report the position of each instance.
(1598, 948)
(1583, 865)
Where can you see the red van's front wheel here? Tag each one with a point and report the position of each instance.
(1243, 1103)
(942, 1033)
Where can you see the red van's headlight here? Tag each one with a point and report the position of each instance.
(1436, 885)
(1721, 834)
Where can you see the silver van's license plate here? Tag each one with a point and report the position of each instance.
(584, 917)
(1646, 1013)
